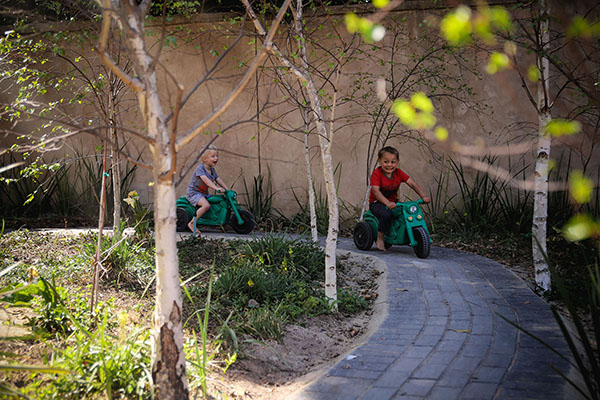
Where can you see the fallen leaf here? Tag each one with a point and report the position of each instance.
(401, 290)
(462, 330)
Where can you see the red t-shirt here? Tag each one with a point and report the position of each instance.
(387, 186)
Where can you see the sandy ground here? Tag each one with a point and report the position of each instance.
(274, 371)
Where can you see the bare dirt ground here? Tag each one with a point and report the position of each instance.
(274, 371)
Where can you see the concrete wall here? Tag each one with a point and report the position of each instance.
(476, 108)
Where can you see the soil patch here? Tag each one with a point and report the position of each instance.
(276, 370)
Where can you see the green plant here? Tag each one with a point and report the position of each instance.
(478, 197)
(124, 261)
(266, 322)
(99, 362)
(560, 207)
(56, 309)
(301, 220)
(28, 191)
(289, 256)
(350, 302)
(515, 205)
(259, 199)
(67, 187)
(203, 356)
(305, 300)
(348, 214)
(438, 209)
(141, 216)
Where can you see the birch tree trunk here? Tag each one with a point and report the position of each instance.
(540, 205)
(325, 141)
(115, 165)
(168, 359)
(314, 234)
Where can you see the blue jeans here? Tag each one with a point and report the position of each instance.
(383, 214)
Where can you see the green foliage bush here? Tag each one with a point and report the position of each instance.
(56, 310)
(100, 363)
(265, 282)
(125, 261)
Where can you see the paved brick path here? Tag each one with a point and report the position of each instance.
(442, 337)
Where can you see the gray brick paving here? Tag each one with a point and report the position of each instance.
(443, 338)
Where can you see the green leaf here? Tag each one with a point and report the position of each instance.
(456, 26)
(580, 227)
(422, 102)
(533, 73)
(580, 187)
(404, 111)
(352, 21)
(560, 127)
(500, 18)
(581, 27)
(497, 62)
(441, 133)
(381, 3)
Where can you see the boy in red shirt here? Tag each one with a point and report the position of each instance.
(385, 182)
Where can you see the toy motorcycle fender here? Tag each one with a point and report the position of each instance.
(408, 228)
(223, 210)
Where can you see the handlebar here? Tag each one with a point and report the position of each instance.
(419, 201)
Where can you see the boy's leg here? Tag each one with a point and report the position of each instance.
(384, 215)
(203, 206)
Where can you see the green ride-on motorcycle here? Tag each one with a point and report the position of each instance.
(408, 227)
(223, 210)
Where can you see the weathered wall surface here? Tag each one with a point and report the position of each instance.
(476, 108)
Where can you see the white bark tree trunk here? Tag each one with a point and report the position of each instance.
(314, 234)
(325, 141)
(168, 359)
(115, 166)
(540, 205)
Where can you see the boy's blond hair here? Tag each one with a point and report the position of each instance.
(207, 150)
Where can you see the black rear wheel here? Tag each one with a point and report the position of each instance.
(182, 220)
(423, 245)
(363, 236)
(246, 226)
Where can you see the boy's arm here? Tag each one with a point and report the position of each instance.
(381, 198)
(221, 183)
(209, 182)
(414, 186)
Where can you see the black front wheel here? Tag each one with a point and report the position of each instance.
(363, 236)
(247, 224)
(423, 244)
(182, 220)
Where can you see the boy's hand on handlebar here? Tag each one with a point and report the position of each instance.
(391, 205)
(426, 199)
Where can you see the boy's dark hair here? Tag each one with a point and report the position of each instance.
(388, 149)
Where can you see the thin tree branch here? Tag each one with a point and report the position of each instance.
(205, 122)
(133, 83)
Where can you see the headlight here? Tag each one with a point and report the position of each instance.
(412, 209)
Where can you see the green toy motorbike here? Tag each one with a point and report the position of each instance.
(223, 209)
(408, 227)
